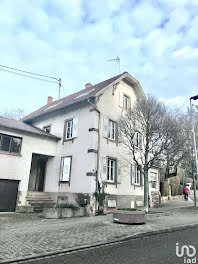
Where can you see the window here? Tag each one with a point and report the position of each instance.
(137, 175)
(137, 139)
(111, 169)
(125, 102)
(112, 130)
(69, 129)
(153, 180)
(65, 172)
(10, 144)
(47, 129)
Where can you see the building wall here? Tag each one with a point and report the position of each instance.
(125, 193)
(109, 105)
(17, 167)
(82, 161)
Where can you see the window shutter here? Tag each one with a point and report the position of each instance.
(121, 99)
(140, 140)
(65, 168)
(75, 127)
(105, 126)
(132, 174)
(118, 171)
(104, 169)
(141, 177)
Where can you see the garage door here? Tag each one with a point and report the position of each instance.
(8, 195)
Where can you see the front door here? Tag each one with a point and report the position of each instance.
(40, 178)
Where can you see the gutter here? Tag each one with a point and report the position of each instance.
(30, 132)
(98, 153)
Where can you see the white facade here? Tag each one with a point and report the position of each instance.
(115, 163)
(84, 163)
(17, 167)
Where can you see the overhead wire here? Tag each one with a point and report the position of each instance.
(32, 73)
(16, 73)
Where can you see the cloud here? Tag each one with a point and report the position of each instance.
(156, 41)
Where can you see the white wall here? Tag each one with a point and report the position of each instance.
(16, 167)
(109, 105)
(82, 161)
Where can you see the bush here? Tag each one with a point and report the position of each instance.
(128, 209)
(68, 205)
(83, 199)
(63, 205)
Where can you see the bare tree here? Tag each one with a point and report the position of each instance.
(150, 119)
(16, 114)
(188, 162)
(175, 151)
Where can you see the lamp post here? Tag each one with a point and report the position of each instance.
(194, 143)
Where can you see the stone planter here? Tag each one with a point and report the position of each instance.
(79, 212)
(25, 209)
(67, 212)
(129, 217)
(52, 213)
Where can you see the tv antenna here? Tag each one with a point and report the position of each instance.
(117, 60)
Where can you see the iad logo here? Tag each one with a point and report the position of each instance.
(188, 252)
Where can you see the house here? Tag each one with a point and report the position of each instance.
(69, 143)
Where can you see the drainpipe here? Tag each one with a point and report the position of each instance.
(98, 154)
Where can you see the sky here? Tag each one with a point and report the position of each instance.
(156, 40)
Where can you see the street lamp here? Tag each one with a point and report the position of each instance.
(193, 132)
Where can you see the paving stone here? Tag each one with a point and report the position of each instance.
(30, 235)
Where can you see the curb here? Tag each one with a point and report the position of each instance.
(87, 247)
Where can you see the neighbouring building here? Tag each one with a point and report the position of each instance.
(54, 153)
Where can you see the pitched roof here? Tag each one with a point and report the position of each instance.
(73, 98)
(21, 126)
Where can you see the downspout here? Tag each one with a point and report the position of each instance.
(98, 154)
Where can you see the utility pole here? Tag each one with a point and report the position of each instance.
(194, 145)
(59, 87)
(32, 75)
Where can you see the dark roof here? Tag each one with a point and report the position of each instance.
(73, 98)
(21, 126)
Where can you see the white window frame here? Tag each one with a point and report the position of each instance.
(111, 169)
(112, 130)
(63, 161)
(125, 102)
(137, 175)
(69, 129)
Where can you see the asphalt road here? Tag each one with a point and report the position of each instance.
(157, 249)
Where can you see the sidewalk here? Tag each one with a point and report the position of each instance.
(29, 235)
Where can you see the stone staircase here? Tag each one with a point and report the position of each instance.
(39, 199)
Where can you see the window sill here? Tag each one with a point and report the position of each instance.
(112, 183)
(112, 140)
(69, 139)
(10, 153)
(64, 182)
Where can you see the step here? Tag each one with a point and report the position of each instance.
(39, 198)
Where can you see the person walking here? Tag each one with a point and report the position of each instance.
(185, 192)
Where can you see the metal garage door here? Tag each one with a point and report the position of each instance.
(8, 195)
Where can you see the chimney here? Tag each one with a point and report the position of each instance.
(88, 85)
(49, 99)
